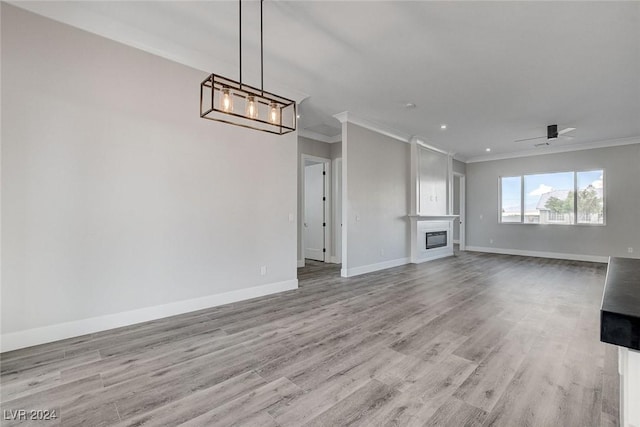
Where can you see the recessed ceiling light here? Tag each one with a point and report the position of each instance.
(443, 126)
(298, 116)
(487, 149)
(409, 105)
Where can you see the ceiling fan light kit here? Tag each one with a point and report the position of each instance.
(229, 101)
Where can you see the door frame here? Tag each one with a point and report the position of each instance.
(327, 205)
(462, 219)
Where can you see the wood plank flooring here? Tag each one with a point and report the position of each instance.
(471, 340)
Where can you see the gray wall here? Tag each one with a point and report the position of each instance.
(377, 191)
(314, 148)
(622, 198)
(116, 196)
(336, 150)
(459, 167)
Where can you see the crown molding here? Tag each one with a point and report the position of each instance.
(418, 140)
(105, 26)
(396, 134)
(460, 158)
(557, 149)
(347, 116)
(319, 137)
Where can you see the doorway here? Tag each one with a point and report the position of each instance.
(316, 239)
(459, 209)
(314, 211)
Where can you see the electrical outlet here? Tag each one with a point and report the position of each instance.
(263, 270)
(382, 251)
(290, 217)
(630, 250)
(357, 217)
(481, 216)
(491, 241)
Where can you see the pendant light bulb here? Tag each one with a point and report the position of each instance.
(226, 100)
(252, 107)
(274, 113)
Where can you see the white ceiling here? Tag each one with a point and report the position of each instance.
(492, 71)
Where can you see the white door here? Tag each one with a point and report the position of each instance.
(314, 212)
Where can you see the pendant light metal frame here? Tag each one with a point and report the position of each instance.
(211, 89)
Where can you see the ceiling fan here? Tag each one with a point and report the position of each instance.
(552, 135)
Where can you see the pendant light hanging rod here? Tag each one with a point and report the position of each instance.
(261, 45)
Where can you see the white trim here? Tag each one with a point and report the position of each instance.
(556, 149)
(305, 133)
(347, 116)
(462, 223)
(456, 241)
(355, 271)
(300, 263)
(433, 217)
(344, 215)
(540, 254)
(45, 334)
(431, 147)
(337, 215)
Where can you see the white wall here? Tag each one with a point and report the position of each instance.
(622, 198)
(377, 192)
(117, 197)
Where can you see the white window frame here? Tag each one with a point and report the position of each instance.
(575, 199)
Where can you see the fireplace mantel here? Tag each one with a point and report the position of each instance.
(433, 217)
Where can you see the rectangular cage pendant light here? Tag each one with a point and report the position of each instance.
(236, 103)
(228, 101)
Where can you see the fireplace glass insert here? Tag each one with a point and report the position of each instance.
(436, 239)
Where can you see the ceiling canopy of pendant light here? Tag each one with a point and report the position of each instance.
(225, 100)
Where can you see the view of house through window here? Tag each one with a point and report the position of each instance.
(553, 198)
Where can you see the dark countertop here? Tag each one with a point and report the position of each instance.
(620, 310)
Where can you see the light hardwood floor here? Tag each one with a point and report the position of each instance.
(471, 340)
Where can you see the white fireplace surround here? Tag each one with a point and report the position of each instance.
(431, 200)
(423, 224)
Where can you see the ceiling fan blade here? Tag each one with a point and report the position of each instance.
(529, 139)
(566, 130)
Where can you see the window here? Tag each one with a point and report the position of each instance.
(590, 197)
(553, 198)
(511, 206)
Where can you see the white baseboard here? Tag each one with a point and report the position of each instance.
(30, 337)
(355, 271)
(300, 263)
(540, 254)
(443, 254)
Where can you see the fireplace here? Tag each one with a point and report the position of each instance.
(431, 237)
(436, 239)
